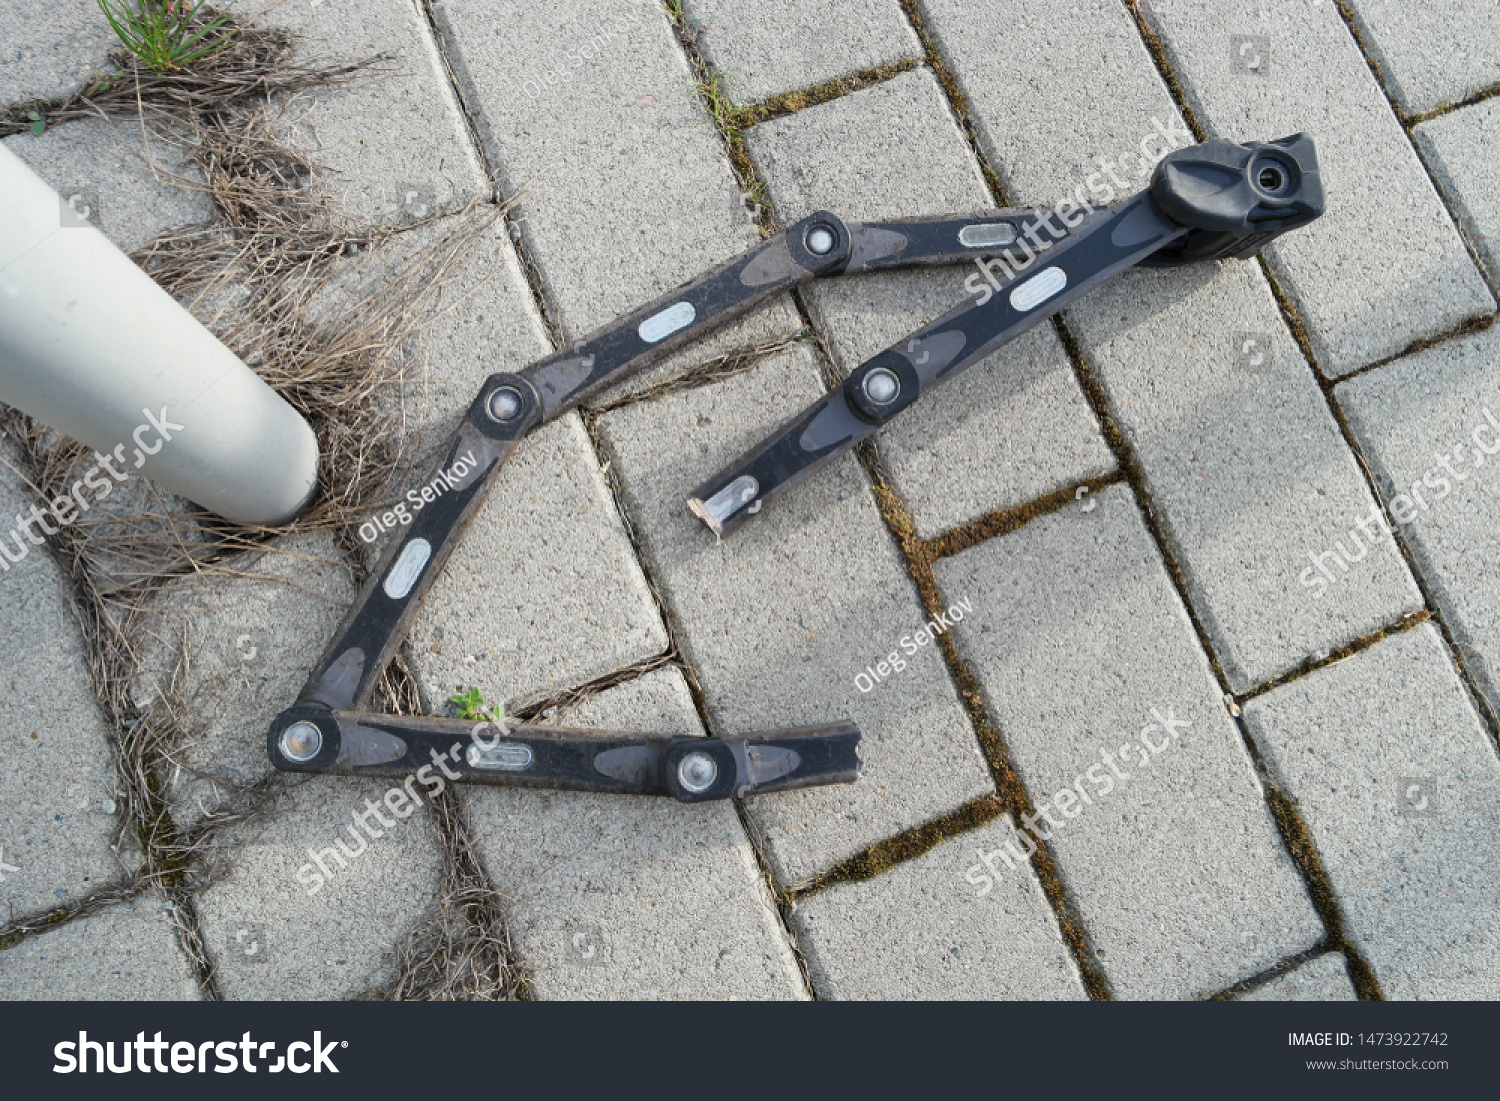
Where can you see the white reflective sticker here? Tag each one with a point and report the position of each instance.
(407, 569)
(659, 326)
(509, 756)
(987, 235)
(1036, 290)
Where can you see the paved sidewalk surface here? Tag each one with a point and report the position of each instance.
(1226, 536)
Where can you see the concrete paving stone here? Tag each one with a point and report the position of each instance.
(132, 190)
(624, 897)
(58, 791)
(608, 231)
(545, 591)
(1431, 55)
(921, 931)
(1079, 642)
(250, 635)
(1246, 469)
(763, 47)
(387, 133)
(1322, 979)
(1385, 265)
(1058, 96)
(1407, 417)
(128, 952)
(277, 927)
(50, 47)
(1010, 429)
(786, 653)
(1459, 147)
(1397, 781)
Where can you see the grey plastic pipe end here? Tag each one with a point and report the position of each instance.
(91, 347)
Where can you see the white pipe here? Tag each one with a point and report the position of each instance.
(91, 347)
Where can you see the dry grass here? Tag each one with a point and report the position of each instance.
(463, 952)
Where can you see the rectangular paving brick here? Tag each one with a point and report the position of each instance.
(48, 48)
(1385, 265)
(1324, 978)
(1431, 55)
(763, 47)
(779, 620)
(1398, 784)
(1012, 428)
(58, 789)
(934, 928)
(388, 133)
(276, 927)
(130, 190)
(1245, 467)
(245, 637)
(1459, 148)
(1085, 654)
(1425, 425)
(606, 231)
(128, 952)
(545, 591)
(1246, 470)
(624, 897)
(1047, 105)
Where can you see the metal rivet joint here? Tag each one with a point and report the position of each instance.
(301, 741)
(697, 772)
(882, 386)
(820, 240)
(506, 403)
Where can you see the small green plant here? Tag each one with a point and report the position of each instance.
(102, 82)
(471, 707)
(161, 34)
(38, 124)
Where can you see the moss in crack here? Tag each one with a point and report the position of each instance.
(799, 99)
(1271, 974)
(1448, 107)
(956, 98)
(1304, 853)
(907, 845)
(1331, 657)
(714, 93)
(1158, 51)
(1008, 520)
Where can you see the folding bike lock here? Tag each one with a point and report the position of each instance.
(1212, 201)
